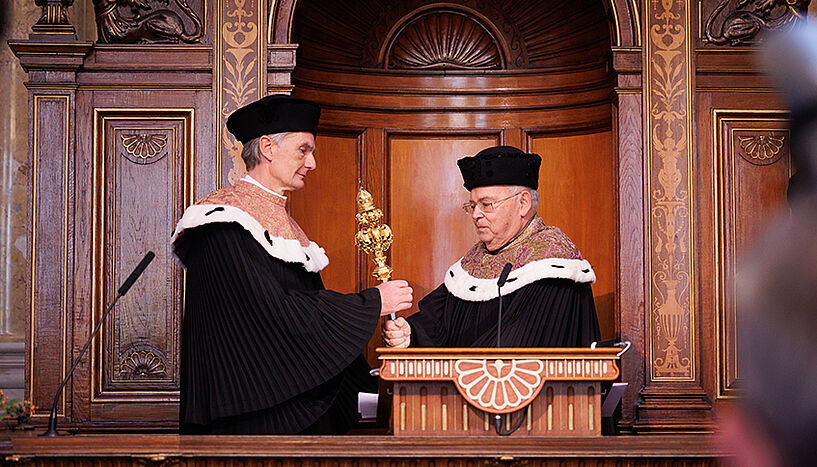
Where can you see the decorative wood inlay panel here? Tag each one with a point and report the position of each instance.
(669, 180)
(238, 76)
(752, 168)
(741, 24)
(444, 40)
(139, 148)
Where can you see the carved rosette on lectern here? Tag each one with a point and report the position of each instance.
(458, 392)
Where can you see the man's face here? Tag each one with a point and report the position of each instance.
(292, 160)
(497, 228)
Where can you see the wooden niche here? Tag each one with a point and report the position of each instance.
(409, 88)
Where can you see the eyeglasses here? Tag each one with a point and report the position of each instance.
(485, 206)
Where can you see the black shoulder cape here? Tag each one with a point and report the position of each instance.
(546, 313)
(265, 349)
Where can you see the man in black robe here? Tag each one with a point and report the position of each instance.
(265, 348)
(547, 299)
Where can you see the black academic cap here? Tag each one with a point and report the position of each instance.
(274, 114)
(500, 165)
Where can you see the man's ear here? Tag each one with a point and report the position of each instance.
(525, 202)
(266, 147)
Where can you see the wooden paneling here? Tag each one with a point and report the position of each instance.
(326, 207)
(138, 149)
(530, 33)
(50, 197)
(630, 246)
(431, 231)
(577, 193)
(752, 170)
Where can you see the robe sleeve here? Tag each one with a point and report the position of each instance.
(254, 334)
(428, 328)
(550, 313)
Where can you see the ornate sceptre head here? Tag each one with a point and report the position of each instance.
(373, 237)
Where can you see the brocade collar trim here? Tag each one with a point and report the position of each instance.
(263, 214)
(539, 252)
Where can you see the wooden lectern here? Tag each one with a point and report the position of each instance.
(459, 391)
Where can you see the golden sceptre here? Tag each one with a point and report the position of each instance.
(373, 237)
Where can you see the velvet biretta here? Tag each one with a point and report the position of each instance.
(274, 114)
(500, 165)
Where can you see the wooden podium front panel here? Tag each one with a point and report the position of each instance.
(562, 409)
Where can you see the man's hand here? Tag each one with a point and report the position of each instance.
(394, 296)
(397, 333)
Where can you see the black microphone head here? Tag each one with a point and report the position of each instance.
(503, 276)
(136, 273)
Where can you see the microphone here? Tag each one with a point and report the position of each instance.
(136, 273)
(503, 277)
(52, 417)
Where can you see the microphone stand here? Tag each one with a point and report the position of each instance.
(503, 277)
(52, 417)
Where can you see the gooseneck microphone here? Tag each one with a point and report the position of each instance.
(52, 417)
(503, 277)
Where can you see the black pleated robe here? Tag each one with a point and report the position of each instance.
(265, 348)
(545, 313)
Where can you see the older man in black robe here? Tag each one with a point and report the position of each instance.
(547, 299)
(265, 349)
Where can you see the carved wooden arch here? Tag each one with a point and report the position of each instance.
(485, 23)
(625, 28)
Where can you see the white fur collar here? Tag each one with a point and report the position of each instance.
(466, 287)
(312, 257)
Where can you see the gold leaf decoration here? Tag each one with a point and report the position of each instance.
(761, 147)
(142, 364)
(144, 146)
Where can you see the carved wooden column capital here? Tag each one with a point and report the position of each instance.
(54, 22)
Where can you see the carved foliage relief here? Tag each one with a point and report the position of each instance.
(669, 180)
(239, 80)
(146, 22)
(738, 22)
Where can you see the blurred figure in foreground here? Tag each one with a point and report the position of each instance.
(775, 421)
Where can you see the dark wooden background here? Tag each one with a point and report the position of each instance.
(630, 125)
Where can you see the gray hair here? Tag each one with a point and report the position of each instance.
(251, 152)
(534, 195)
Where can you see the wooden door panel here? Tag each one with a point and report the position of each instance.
(430, 229)
(753, 167)
(325, 208)
(577, 194)
(145, 180)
